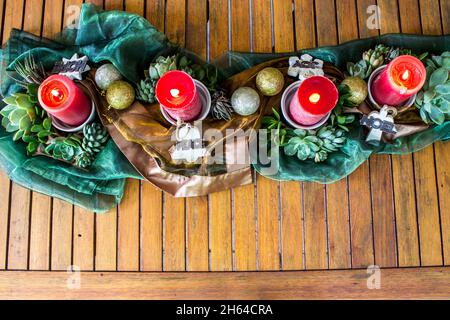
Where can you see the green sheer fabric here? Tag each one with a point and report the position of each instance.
(131, 43)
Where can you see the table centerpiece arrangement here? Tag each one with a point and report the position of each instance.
(324, 111)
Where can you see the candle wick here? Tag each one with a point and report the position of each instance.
(175, 93)
(405, 75)
(314, 98)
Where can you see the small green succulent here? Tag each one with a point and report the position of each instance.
(275, 123)
(26, 119)
(315, 145)
(376, 57)
(433, 100)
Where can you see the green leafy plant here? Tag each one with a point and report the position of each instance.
(376, 57)
(145, 89)
(433, 100)
(275, 123)
(338, 118)
(315, 145)
(26, 119)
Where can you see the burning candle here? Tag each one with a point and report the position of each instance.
(400, 80)
(64, 100)
(178, 95)
(315, 98)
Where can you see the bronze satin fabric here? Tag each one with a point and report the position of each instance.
(144, 137)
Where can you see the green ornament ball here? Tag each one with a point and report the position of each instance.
(270, 81)
(245, 101)
(120, 95)
(106, 75)
(358, 89)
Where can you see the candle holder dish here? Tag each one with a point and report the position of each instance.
(61, 126)
(408, 104)
(286, 99)
(205, 98)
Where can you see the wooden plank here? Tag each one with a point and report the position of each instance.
(151, 201)
(424, 164)
(114, 4)
(4, 217)
(267, 190)
(62, 213)
(19, 228)
(155, 13)
(361, 233)
(20, 197)
(41, 204)
(383, 211)
(244, 197)
(364, 14)
(175, 208)
(220, 214)
(106, 241)
(443, 165)
(83, 239)
(197, 208)
(290, 192)
(403, 171)
(128, 228)
(411, 283)
(106, 224)
(337, 193)
(128, 251)
(304, 24)
(316, 246)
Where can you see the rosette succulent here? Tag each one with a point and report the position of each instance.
(26, 119)
(433, 100)
(315, 145)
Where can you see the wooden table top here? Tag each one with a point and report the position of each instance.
(393, 212)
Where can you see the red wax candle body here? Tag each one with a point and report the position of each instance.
(178, 95)
(400, 80)
(64, 100)
(315, 98)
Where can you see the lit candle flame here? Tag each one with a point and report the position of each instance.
(175, 93)
(57, 94)
(405, 75)
(314, 98)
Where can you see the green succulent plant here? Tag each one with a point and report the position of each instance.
(376, 57)
(433, 100)
(275, 123)
(338, 118)
(77, 149)
(26, 119)
(315, 145)
(145, 89)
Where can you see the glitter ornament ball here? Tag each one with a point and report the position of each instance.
(120, 95)
(245, 101)
(358, 89)
(106, 75)
(270, 81)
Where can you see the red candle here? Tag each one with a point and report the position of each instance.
(178, 95)
(400, 80)
(315, 98)
(64, 100)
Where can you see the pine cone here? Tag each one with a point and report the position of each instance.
(95, 137)
(221, 108)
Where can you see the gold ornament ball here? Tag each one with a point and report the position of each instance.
(120, 95)
(358, 89)
(270, 81)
